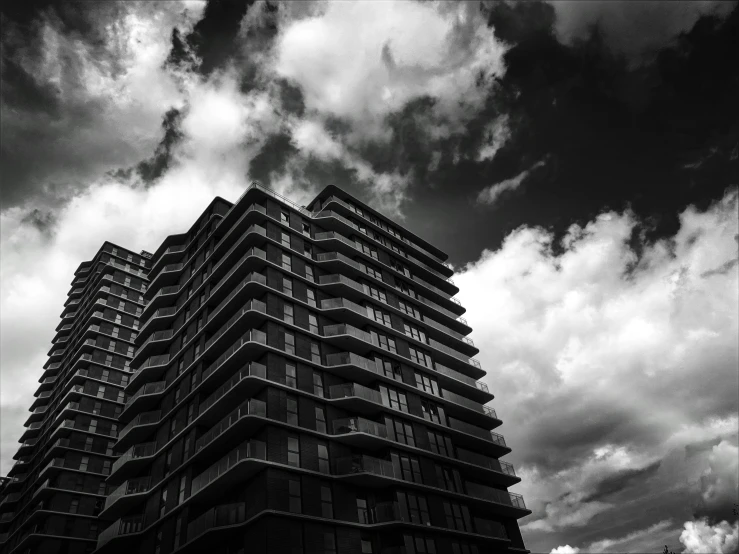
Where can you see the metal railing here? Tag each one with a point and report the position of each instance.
(250, 450)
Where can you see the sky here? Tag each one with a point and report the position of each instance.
(578, 160)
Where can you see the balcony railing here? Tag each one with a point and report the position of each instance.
(142, 450)
(220, 516)
(253, 304)
(129, 487)
(365, 464)
(500, 497)
(147, 389)
(486, 462)
(344, 329)
(253, 335)
(460, 377)
(145, 418)
(336, 303)
(124, 526)
(252, 369)
(251, 407)
(347, 390)
(250, 450)
(359, 425)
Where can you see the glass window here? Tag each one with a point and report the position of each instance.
(327, 508)
(323, 463)
(291, 375)
(363, 514)
(417, 507)
(394, 398)
(289, 342)
(448, 478)
(315, 352)
(308, 250)
(287, 286)
(389, 368)
(410, 468)
(309, 273)
(292, 409)
(285, 239)
(317, 383)
(441, 444)
(313, 324)
(311, 297)
(182, 489)
(431, 411)
(162, 501)
(177, 531)
(320, 419)
(287, 262)
(285, 217)
(414, 332)
(287, 313)
(427, 383)
(306, 229)
(420, 357)
(457, 516)
(293, 451)
(404, 432)
(293, 488)
(329, 542)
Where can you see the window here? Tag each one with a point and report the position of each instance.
(182, 489)
(363, 514)
(320, 419)
(73, 505)
(291, 374)
(315, 352)
(464, 548)
(327, 508)
(285, 217)
(366, 545)
(313, 324)
(292, 409)
(311, 297)
(177, 531)
(308, 250)
(420, 357)
(416, 507)
(293, 488)
(287, 262)
(441, 444)
(377, 294)
(371, 270)
(457, 516)
(162, 501)
(323, 463)
(397, 266)
(306, 229)
(285, 239)
(383, 341)
(448, 478)
(293, 451)
(158, 542)
(329, 542)
(403, 287)
(309, 273)
(410, 468)
(427, 383)
(287, 286)
(414, 332)
(389, 368)
(419, 544)
(394, 399)
(289, 342)
(379, 315)
(431, 411)
(167, 462)
(83, 463)
(317, 383)
(404, 432)
(287, 313)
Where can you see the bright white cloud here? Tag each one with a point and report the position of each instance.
(644, 346)
(567, 549)
(401, 51)
(701, 538)
(497, 132)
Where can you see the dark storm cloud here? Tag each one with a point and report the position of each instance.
(617, 482)
(152, 169)
(42, 220)
(614, 136)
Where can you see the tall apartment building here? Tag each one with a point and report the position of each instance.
(57, 486)
(301, 383)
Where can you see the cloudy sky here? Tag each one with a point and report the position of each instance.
(578, 160)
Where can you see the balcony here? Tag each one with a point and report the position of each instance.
(153, 368)
(246, 343)
(132, 461)
(225, 515)
(503, 472)
(32, 430)
(128, 525)
(126, 497)
(365, 470)
(357, 398)
(360, 432)
(10, 499)
(161, 316)
(245, 383)
(144, 398)
(472, 435)
(468, 409)
(138, 428)
(509, 504)
(154, 340)
(167, 276)
(462, 378)
(242, 418)
(230, 471)
(231, 325)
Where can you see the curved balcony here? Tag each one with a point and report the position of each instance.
(243, 384)
(166, 277)
(360, 432)
(126, 527)
(160, 318)
(138, 428)
(132, 461)
(153, 368)
(244, 420)
(162, 296)
(125, 497)
(144, 398)
(488, 469)
(154, 342)
(478, 438)
(230, 471)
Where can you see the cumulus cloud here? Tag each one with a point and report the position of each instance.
(567, 549)
(607, 363)
(402, 51)
(701, 538)
(720, 482)
(75, 106)
(635, 29)
(490, 195)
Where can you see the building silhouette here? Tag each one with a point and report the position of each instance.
(279, 379)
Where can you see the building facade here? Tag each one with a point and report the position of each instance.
(57, 486)
(301, 383)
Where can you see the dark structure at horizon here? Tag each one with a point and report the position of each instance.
(280, 379)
